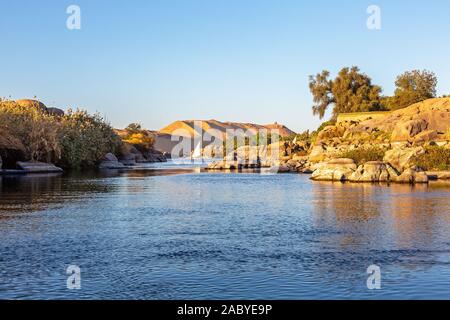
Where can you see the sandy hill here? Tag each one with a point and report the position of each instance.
(186, 128)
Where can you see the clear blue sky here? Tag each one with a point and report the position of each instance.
(156, 61)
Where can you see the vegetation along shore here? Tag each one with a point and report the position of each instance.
(404, 138)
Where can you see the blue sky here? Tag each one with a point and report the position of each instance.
(156, 61)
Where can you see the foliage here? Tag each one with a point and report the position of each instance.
(37, 130)
(142, 141)
(85, 139)
(363, 154)
(134, 128)
(350, 91)
(139, 138)
(412, 87)
(434, 158)
(73, 140)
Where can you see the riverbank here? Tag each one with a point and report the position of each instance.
(410, 145)
(36, 138)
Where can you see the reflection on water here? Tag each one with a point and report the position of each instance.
(171, 233)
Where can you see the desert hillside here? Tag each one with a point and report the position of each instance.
(186, 128)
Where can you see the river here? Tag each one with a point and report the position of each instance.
(187, 234)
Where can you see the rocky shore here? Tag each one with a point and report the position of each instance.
(401, 139)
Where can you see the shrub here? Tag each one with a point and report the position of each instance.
(141, 139)
(434, 158)
(37, 130)
(363, 154)
(85, 139)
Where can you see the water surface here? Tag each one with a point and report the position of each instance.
(194, 235)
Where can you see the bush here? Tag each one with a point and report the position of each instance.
(434, 158)
(74, 140)
(141, 139)
(85, 139)
(364, 154)
(37, 130)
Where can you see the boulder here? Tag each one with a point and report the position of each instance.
(373, 171)
(29, 103)
(335, 170)
(128, 159)
(402, 158)
(305, 170)
(11, 149)
(154, 156)
(425, 136)
(110, 161)
(317, 154)
(406, 131)
(292, 163)
(55, 112)
(412, 175)
(328, 133)
(110, 157)
(38, 167)
(224, 165)
(282, 169)
(438, 175)
(299, 158)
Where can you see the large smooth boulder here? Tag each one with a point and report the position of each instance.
(224, 165)
(412, 175)
(406, 131)
(328, 133)
(110, 161)
(128, 159)
(38, 167)
(154, 156)
(438, 175)
(402, 158)
(11, 149)
(334, 170)
(281, 169)
(373, 171)
(55, 112)
(110, 157)
(317, 154)
(425, 136)
(29, 103)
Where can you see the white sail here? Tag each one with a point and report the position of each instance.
(198, 151)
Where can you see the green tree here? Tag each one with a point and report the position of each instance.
(134, 128)
(85, 139)
(350, 91)
(412, 87)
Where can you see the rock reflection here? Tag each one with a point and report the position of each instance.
(401, 223)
